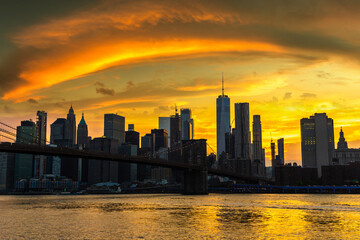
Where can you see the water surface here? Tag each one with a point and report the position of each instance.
(216, 216)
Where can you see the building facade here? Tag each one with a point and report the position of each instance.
(82, 133)
(70, 127)
(114, 127)
(317, 141)
(242, 131)
(132, 137)
(281, 155)
(222, 122)
(187, 124)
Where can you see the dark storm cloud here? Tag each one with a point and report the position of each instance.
(32, 101)
(106, 91)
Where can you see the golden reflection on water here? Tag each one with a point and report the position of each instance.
(257, 216)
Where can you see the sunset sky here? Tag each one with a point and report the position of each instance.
(288, 59)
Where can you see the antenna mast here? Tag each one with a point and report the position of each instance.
(222, 83)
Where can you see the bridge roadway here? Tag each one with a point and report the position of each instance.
(87, 154)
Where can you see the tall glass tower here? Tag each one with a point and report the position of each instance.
(222, 119)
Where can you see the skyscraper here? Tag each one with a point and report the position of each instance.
(70, 127)
(257, 151)
(41, 124)
(40, 161)
(187, 124)
(161, 138)
(132, 137)
(164, 123)
(114, 127)
(57, 132)
(257, 138)
(24, 163)
(222, 120)
(281, 157)
(242, 131)
(175, 129)
(317, 141)
(82, 133)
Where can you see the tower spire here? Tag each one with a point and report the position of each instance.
(222, 76)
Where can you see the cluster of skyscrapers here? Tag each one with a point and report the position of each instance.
(238, 149)
(234, 147)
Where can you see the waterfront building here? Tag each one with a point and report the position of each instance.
(222, 120)
(40, 161)
(7, 170)
(114, 127)
(317, 141)
(128, 171)
(103, 171)
(344, 155)
(24, 163)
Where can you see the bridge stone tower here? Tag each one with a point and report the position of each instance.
(195, 181)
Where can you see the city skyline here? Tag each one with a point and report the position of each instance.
(51, 59)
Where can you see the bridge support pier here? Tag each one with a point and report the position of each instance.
(195, 182)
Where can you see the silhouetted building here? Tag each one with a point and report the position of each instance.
(70, 127)
(317, 141)
(7, 170)
(295, 175)
(161, 138)
(131, 136)
(164, 123)
(273, 158)
(222, 120)
(82, 133)
(41, 123)
(127, 171)
(281, 155)
(187, 124)
(342, 144)
(147, 148)
(24, 163)
(57, 132)
(348, 174)
(175, 130)
(114, 127)
(344, 155)
(103, 171)
(40, 161)
(257, 150)
(242, 131)
(230, 144)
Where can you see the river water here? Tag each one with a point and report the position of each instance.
(216, 216)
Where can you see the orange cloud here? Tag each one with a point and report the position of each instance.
(41, 74)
